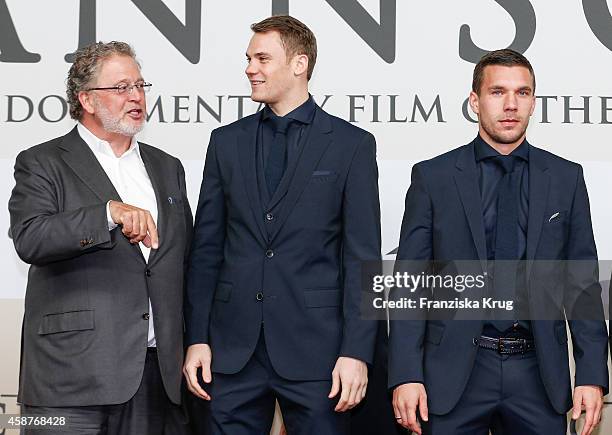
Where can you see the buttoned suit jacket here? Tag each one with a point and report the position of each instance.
(292, 266)
(443, 222)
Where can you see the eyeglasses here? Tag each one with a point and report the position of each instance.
(125, 88)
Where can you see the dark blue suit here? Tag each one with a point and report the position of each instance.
(293, 265)
(443, 221)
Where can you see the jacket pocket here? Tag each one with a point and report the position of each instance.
(323, 176)
(318, 298)
(69, 321)
(556, 225)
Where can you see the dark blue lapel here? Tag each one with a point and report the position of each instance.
(466, 178)
(539, 183)
(246, 149)
(314, 147)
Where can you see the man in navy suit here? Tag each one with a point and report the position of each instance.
(509, 206)
(288, 211)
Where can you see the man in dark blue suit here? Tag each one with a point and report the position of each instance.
(288, 211)
(499, 198)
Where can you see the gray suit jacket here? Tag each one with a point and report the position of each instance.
(85, 326)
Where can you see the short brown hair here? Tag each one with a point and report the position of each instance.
(85, 69)
(505, 57)
(295, 36)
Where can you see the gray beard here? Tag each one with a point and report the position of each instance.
(116, 125)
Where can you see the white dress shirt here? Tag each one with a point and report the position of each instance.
(132, 183)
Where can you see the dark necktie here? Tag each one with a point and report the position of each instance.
(277, 157)
(506, 241)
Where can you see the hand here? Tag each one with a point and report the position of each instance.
(198, 355)
(351, 376)
(406, 399)
(137, 224)
(589, 398)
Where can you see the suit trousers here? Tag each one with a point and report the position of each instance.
(148, 412)
(244, 403)
(504, 394)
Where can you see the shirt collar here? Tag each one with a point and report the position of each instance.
(484, 151)
(303, 113)
(98, 145)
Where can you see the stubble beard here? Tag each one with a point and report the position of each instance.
(506, 140)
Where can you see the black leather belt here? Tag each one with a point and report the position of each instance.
(506, 346)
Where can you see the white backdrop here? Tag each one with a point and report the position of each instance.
(420, 64)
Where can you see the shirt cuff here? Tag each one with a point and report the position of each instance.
(111, 224)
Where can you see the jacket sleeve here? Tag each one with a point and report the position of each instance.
(42, 232)
(206, 254)
(361, 243)
(583, 302)
(414, 256)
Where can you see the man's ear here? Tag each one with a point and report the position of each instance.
(86, 100)
(474, 102)
(300, 64)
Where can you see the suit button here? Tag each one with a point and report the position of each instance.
(259, 296)
(146, 316)
(148, 272)
(269, 217)
(269, 253)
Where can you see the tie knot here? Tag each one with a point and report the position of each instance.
(280, 124)
(505, 162)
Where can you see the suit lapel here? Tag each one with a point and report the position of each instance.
(281, 191)
(156, 173)
(466, 178)
(85, 165)
(246, 149)
(83, 162)
(539, 183)
(289, 175)
(314, 147)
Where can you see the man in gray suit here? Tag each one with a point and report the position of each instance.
(104, 222)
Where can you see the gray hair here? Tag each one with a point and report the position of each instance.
(85, 69)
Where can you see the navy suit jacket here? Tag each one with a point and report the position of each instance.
(294, 265)
(443, 222)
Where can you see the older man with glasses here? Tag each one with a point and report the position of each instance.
(104, 222)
